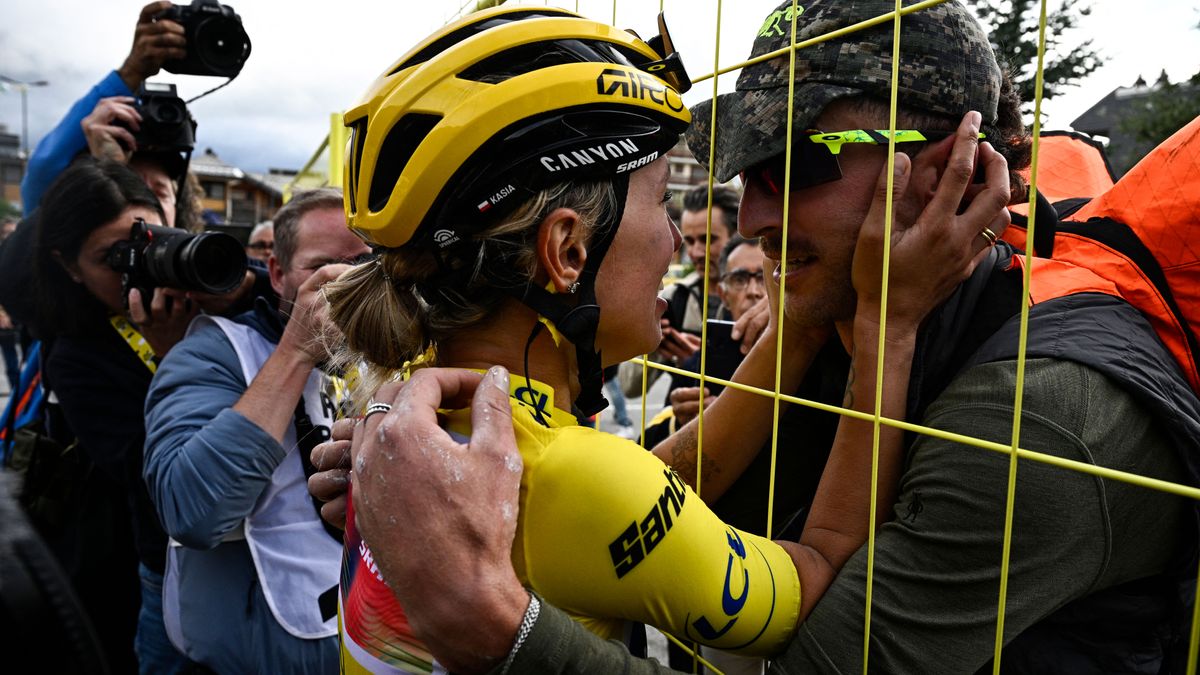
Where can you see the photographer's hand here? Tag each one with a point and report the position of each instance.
(155, 41)
(167, 322)
(105, 138)
(271, 398)
(213, 303)
(309, 331)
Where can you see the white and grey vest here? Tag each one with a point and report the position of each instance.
(295, 559)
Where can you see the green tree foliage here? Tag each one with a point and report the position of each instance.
(1013, 30)
(1168, 109)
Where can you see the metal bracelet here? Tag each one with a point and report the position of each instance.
(530, 618)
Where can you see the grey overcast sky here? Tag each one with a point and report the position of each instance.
(312, 58)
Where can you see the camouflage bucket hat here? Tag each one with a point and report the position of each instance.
(946, 67)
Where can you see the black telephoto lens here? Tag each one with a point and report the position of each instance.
(211, 262)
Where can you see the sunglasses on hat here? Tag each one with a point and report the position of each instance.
(815, 157)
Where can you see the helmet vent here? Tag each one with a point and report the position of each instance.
(358, 134)
(531, 57)
(468, 31)
(402, 141)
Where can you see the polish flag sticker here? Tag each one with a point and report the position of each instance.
(484, 205)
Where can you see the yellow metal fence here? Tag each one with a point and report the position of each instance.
(333, 146)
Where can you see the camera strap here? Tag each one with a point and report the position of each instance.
(135, 340)
(307, 439)
(219, 86)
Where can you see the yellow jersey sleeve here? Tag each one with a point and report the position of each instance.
(607, 531)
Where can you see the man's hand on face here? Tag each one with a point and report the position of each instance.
(416, 489)
(309, 331)
(939, 216)
(107, 139)
(154, 43)
(167, 321)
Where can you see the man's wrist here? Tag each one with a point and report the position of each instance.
(130, 76)
(295, 351)
(532, 611)
(867, 329)
(797, 350)
(485, 637)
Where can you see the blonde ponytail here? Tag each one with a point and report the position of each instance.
(387, 322)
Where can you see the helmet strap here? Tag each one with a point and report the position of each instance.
(579, 322)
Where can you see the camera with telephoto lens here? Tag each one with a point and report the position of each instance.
(216, 42)
(154, 256)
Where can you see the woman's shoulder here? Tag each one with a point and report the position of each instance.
(558, 451)
(99, 355)
(595, 461)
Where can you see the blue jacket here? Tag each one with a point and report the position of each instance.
(206, 465)
(57, 148)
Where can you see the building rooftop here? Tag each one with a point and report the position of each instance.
(208, 165)
(1120, 103)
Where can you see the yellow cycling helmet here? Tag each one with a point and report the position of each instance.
(493, 108)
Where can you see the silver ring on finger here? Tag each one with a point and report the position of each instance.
(375, 407)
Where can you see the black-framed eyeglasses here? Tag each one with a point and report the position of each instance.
(815, 156)
(740, 279)
(261, 246)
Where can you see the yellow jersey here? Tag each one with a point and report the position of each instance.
(609, 534)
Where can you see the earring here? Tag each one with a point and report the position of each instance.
(573, 288)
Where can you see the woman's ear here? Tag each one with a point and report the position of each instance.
(71, 268)
(560, 248)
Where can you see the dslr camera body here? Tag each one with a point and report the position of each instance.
(167, 126)
(154, 256)
(167, 131)
(216, 42)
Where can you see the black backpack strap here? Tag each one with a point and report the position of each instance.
(976, 310)
(1121, 238)
(1048, 217)
(1067, 207)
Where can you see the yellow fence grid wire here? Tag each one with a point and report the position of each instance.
(335, 143)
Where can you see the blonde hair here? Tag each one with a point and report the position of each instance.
(394, 309)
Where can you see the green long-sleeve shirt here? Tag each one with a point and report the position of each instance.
(937, 562)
